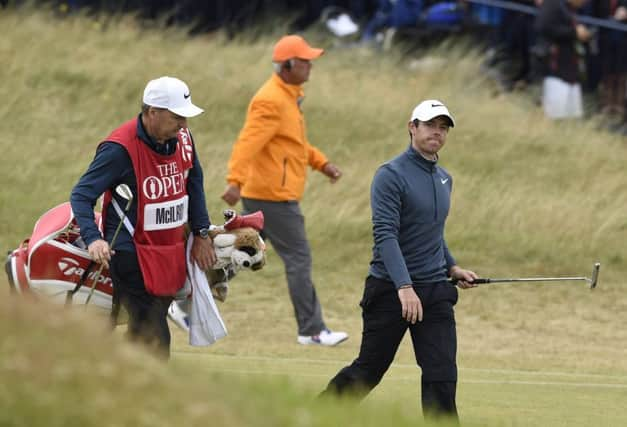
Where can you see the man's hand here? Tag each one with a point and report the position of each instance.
(621, 13)
(411, 305)
(583, 34)
(203, 252)
(332, 172)
(464, 277)
(231, 194)
(100, 252)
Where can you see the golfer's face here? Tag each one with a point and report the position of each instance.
(428, 137)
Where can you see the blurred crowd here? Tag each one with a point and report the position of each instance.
(565, 47)
(581, 69)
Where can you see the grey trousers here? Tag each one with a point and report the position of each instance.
(284, 227)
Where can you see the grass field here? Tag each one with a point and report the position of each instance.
(531, 198)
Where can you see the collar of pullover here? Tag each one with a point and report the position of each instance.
(428, 165)
(294, 91)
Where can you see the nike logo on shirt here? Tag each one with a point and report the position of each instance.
(444, 181)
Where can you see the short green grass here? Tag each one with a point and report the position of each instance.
(531, 198)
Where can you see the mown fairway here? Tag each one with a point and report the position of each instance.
(531, 198)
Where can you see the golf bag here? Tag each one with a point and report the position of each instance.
(53, 263)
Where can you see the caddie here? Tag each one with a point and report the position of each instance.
(154, 155)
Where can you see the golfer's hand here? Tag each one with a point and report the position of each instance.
(100, 252)
(332, 172)
(411, 305)
(464, 277)
(203, 253)
(231, 194)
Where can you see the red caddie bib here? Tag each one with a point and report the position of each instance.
(162, 208)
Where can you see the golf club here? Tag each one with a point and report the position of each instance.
(125, 192)
(593, 280)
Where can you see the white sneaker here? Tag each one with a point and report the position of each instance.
(325, 337)
(178, 316)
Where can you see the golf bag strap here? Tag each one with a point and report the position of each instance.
(125, 220)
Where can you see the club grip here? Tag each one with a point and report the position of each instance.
(478, 281)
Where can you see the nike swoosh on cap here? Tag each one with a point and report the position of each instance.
(186, 95)
(437, 105)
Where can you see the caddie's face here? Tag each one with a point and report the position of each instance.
(429, 137)
(164, 124)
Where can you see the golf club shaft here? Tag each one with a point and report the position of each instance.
(592, 280)
(115, 236)
(93, 285)
(530, 279)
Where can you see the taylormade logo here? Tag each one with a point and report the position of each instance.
(71, 267)
(68, 266)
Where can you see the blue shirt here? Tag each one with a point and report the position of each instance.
(410, 199)
(111, 167)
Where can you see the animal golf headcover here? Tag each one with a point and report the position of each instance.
(236, 249)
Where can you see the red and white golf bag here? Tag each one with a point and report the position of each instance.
(53, 262)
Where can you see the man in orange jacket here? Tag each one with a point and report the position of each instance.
(267, 170)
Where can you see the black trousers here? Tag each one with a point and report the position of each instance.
(434, 340)
(148, 321)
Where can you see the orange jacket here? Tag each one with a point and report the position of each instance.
(270, 157)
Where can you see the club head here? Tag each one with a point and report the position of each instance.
(595, 275)
(124, 191)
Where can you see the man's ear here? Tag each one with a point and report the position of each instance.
(411, 128)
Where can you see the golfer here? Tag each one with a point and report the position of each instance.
(407, 285)
(154, 155)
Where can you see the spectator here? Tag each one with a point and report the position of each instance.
(519, 37)
(392, 14)
(562, 35)
(489, 20)
(613, 46)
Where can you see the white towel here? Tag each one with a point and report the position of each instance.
(205, 325)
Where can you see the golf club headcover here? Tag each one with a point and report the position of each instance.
(233, 220)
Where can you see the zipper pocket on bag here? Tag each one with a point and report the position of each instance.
(284, 172)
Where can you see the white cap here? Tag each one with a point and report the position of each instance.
(172, 94)
(430, 109)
